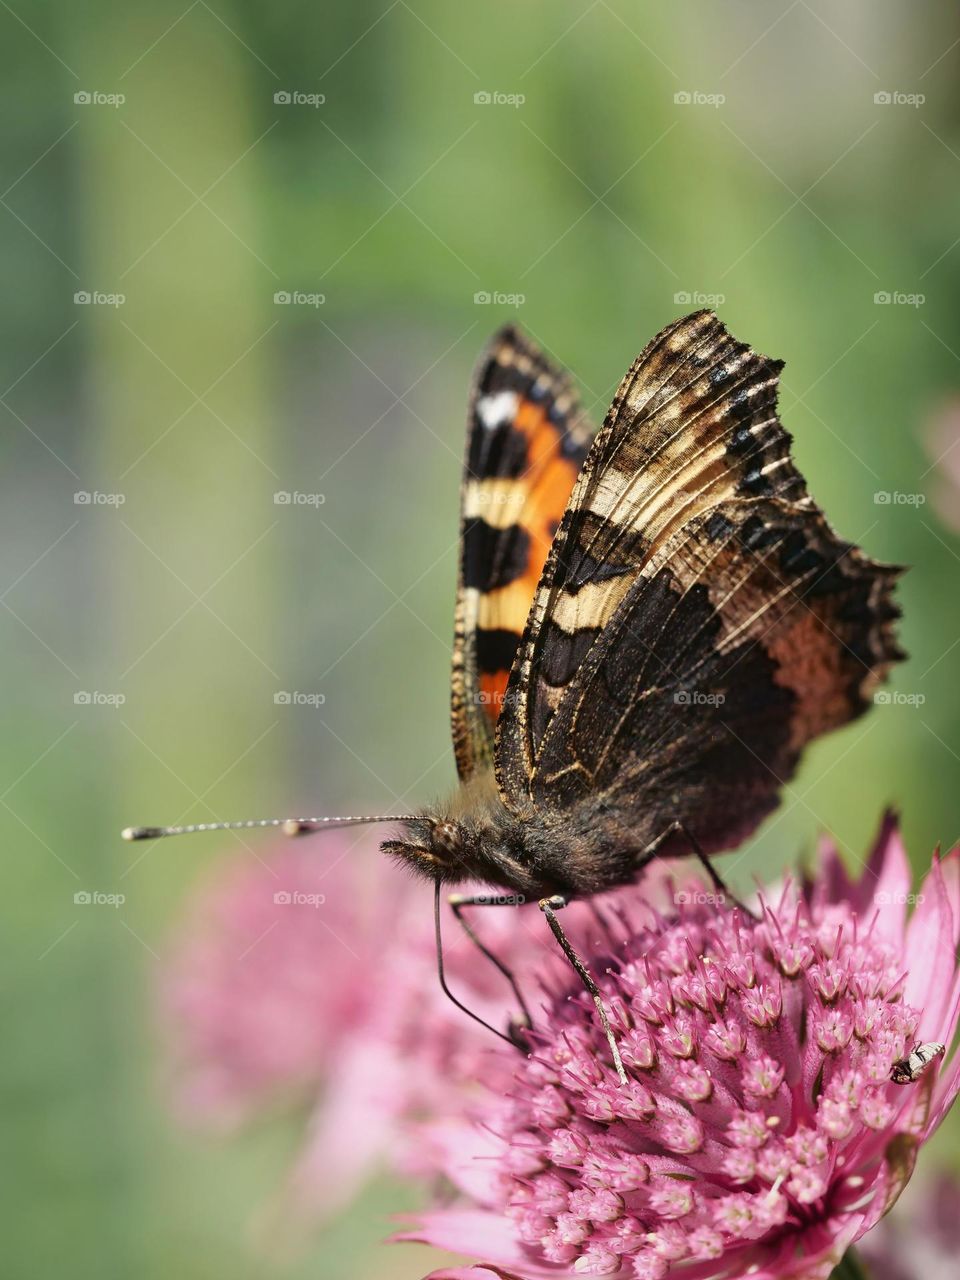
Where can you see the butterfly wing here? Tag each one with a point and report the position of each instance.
(698, 621)
(526, 440)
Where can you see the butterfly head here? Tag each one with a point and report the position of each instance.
(436, 848)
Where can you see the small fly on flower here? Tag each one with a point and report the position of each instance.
(908, 1070)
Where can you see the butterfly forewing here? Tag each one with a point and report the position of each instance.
(697, 621)
(526, 440)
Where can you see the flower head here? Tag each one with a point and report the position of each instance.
(759, 1131)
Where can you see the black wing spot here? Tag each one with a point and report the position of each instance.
(755, 482)
(496, 649)
(561, 652)
(718, 526)
(756, 535)
(493, 558)
(497, 451)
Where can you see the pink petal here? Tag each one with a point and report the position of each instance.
(471, 1157)
(947, 1086)
(832, 884)
(885, 885)
(930, 951)
(474, 1273)
(484, 1235)
(950, 866)
(350, 1131)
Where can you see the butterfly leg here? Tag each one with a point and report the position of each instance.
(457, 902)
(678, 828)
(550, 906)
(510, 1039)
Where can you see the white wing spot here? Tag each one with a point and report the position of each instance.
(497, 410)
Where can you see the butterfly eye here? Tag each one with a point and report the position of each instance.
(447, 837)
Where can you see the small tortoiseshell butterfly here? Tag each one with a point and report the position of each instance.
(651, 624)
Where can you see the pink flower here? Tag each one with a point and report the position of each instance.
(760, 1132)
(260, 987)
(309, 977)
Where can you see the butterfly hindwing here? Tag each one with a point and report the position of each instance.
(698, 621)
(526, 440)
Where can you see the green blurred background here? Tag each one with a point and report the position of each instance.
(600, 200)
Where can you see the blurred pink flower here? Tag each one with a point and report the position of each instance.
(263, 981)
(760, 1132)
(921, 1239)
(310, 977)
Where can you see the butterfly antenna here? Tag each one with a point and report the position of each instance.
(290, 826)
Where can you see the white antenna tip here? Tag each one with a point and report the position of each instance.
(141, 833)
(294, 827)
